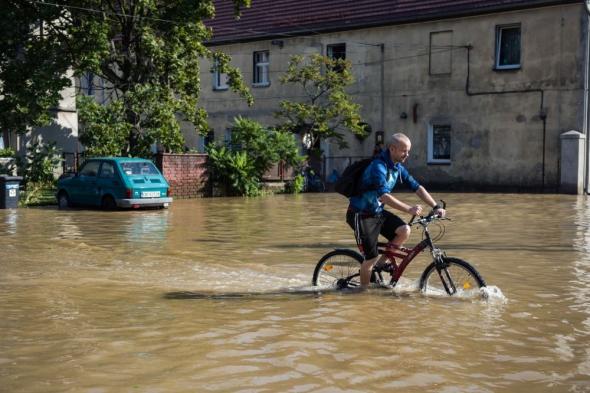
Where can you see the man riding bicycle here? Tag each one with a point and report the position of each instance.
(366, 214)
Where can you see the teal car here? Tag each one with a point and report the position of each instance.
(112, 182)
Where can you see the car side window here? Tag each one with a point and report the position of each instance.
(107, 171)
(90, 169)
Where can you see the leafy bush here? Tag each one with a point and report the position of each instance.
(7, 153)
(38, 194)
(233, 170)
(41, 161)
(254, 150)
(8, 164)
(296, 185)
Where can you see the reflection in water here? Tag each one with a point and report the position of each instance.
(10, 221)
(114, 227)
(214, 295)
(577, 341)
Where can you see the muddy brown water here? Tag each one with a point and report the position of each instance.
(213, 295)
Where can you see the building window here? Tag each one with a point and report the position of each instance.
(507, 47)
(219, 78)
(227, 137)
(439, 144)
(337, 52)
(261, 65)
(209, 138)
(87, 83)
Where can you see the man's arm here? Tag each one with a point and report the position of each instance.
(395, 203)
(429, 200)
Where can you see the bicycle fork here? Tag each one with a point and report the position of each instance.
(443, 272)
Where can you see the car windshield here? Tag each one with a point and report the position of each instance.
(139, 168)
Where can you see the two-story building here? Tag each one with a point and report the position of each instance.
(484, 88)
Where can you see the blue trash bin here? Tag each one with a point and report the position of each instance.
(9, 191)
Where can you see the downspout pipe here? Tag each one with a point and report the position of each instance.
(382, 120)
(586, 119)
(542, 111)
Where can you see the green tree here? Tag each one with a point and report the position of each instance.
(33, 65)
(148, 52)
(239, 168)
(326, 111)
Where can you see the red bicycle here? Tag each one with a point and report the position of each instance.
(340, 268)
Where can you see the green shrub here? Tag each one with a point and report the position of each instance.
(254, 150)
(7, 166)
(41, 162)
(7, 153)
(38, 194)
(233, 171)
(295, 186)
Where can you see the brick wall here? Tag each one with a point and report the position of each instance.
(186, 173)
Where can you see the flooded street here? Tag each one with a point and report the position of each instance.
(213, 295)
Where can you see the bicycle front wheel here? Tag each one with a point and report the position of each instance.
(453, 277)
(338, 269)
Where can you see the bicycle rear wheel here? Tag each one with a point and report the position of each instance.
(453, 277)
(338, 269)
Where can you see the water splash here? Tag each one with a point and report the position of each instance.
(493, 294)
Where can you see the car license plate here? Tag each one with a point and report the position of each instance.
(150, 194)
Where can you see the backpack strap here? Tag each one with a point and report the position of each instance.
(365, 189)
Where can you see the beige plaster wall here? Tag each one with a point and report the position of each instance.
(497, 139)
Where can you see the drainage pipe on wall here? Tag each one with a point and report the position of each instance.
(586, 119)
(542, 111)
(382, 120)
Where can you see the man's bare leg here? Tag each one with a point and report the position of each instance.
(402, 234)
(366, 269)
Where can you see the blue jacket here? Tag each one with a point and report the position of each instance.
(379, 178)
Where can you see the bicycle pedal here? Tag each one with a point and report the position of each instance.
(341, 284)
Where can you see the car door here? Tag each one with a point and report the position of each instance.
(88, 193)
(108, 181)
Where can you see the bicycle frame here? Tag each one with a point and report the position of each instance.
(404, 256)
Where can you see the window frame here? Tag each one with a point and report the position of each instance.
(218, 85)
(497, 57)
(431, 160)
(264, 67)
(339, 55)
(330, 51)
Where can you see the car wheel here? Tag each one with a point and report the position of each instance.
(108, 203)
(63, 200)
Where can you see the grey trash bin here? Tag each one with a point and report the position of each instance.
(9, 191)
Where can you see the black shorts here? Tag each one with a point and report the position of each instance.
(369, 228)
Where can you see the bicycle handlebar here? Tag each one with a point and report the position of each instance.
(425, 220)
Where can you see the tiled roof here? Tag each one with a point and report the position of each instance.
(282, 18)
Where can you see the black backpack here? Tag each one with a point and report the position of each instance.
(349, 183)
